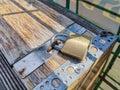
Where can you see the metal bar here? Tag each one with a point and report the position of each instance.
(113, 79)
(77, 6)
(77, 10)
(109, 66)
(101, 8)
(118, 33)
(67, 4)
(109, 83)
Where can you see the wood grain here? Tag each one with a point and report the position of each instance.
(8, 78)
(33, 27)
(52, 18)
(59, 18)
(30, 30)
(44, 70)
(6, 6)
(11, 44)
(33, 33)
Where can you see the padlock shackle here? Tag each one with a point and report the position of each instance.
(61, 34)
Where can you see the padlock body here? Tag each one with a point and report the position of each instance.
(76, 46)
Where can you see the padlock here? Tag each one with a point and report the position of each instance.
(74, 45)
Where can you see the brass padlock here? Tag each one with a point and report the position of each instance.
(76, 46)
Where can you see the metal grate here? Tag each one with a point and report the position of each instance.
(8, 78)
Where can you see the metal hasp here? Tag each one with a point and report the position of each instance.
(103, 42)
(72, 69)
(32, 61)
(52, 82)
(36, 58)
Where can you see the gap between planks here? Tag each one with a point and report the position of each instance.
(32, 32)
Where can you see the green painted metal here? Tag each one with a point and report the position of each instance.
(118, 33)
(113, 79)
(116, 53)
(101, 8)
(75, 14)
(109, 66)
(77, 6)
(67, 4)
(101, 88)
(97, 84)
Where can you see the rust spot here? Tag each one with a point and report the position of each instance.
(5, 45)
(21, 71)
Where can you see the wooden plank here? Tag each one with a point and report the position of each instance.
(95, 71)
(59, 18)
(72, 16)
(33, 33)
(98, 68)
(11, 44)
(52, 18)
(43, 71)
(86, 81)
(6, 6)
(8, 78)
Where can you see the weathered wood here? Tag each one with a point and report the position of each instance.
(47, 15)
(32, 32)
(33, 27)
(44, 70)
(6, 6)
(11, 44)
(55, 62)
(72, 16)
(100, 17)
(8, 78)
(87, 81)
(59, 18)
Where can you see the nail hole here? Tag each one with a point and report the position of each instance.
(66, 81)
(58, 73)
(42, 87)
(100, 48)
(109, 41)
(93, 49)
(63, 70)
(23, 60)
(111, 38)
(70, 70)
(47, 82)
(104, 33)
(83, 66)
(70, 77)
(56, 82)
